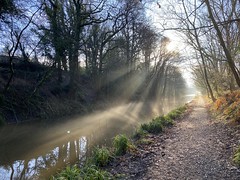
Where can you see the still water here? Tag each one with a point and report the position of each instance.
(38, 150)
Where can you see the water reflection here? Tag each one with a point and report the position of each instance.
(45, 165)
(35, 151)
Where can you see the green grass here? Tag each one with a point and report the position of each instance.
(139, 133)
(121, 144)
(101, 156)
(88, 172)
(157, 124)
(69, 173)
(236, 157)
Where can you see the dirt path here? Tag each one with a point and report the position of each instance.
(195, 148)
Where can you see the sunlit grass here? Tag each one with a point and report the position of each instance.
(157, 125)
(101, 156)
(121, 144)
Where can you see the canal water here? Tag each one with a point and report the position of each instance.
(37, 150)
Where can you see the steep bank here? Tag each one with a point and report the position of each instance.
(197, 147)
(35, 93)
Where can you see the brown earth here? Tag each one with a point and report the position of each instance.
(196, 147)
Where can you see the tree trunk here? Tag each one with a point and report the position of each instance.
(225, 49)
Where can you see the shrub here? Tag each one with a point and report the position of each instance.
(121, 144)
(236, 157)
(101, 156)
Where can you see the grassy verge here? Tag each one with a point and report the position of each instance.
(227, 109)
(158, 124)
(121, 145)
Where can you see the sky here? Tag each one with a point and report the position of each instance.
(157, 13)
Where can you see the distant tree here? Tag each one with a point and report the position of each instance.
(16, 34)
(230, 17)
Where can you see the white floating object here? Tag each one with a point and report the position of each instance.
(68, 132)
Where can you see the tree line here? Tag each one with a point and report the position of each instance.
(108, 42)
(212, 30)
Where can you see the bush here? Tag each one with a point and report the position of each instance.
(121, 144)
(236, 157)
(101, 156)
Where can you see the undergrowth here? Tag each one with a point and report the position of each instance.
(121, 144)
(101, 156)
(228, 107)
(88, 172)
(158, 124)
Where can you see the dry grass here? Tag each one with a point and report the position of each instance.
(228, 107)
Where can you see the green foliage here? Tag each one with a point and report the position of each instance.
(165, 120)
(91, 172)
(174, 114)
(139, 133)
(236, 157)
(155, 126)
(101, 156)
(121, 143)
(70, 173)
(88, 172)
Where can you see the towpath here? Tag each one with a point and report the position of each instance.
(196, 148)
